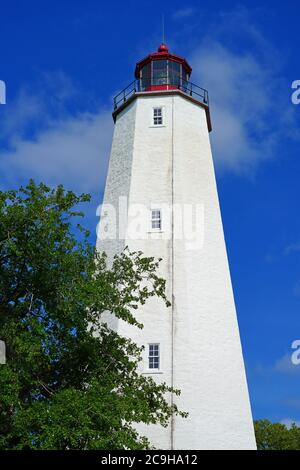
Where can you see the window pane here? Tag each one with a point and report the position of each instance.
(154, 358)
(155, 214)
(174, 73)
(184, 74)
(159, 72)
(157, 116)
(156, 219)
(156, 224)
(185, 85)
(146, 76)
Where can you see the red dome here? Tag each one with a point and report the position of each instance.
(162, 53)
(163, 48)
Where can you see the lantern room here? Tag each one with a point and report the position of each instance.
(162, 70)
(162, 73)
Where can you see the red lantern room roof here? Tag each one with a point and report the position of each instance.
(162, 53)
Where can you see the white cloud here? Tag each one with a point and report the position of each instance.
(292, 248)
(73, 151)
(183, 13)
(62, 147)
(284, 365)
(249, 114)
(18, 115)
(45, 140)
(288, 422)
(241, 100)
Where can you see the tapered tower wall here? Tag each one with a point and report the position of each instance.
(171, 166)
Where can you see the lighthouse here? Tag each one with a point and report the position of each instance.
(161, 198)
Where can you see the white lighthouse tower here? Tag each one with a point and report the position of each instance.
(161, 183)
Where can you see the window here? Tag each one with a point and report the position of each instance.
(156, 219)
(174, 73)
(154, 359)
(159, 72)
(157, 116)
(146, 77)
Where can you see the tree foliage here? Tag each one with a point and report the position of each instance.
(69, 381)
(276, 436)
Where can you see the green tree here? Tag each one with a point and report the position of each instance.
(70, 382)
(276, 436)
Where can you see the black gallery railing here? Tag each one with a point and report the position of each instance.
(187, 87)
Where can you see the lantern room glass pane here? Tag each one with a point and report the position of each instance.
(184, 80)
(160, 72)
(146, 76)
(174, 73)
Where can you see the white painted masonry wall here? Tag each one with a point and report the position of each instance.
(199, 337)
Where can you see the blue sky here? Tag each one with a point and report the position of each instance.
(63, 61)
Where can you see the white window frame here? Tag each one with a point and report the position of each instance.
(152, 356)
(158, 116)
(146, 370)
(156, 219)
(162, 124)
